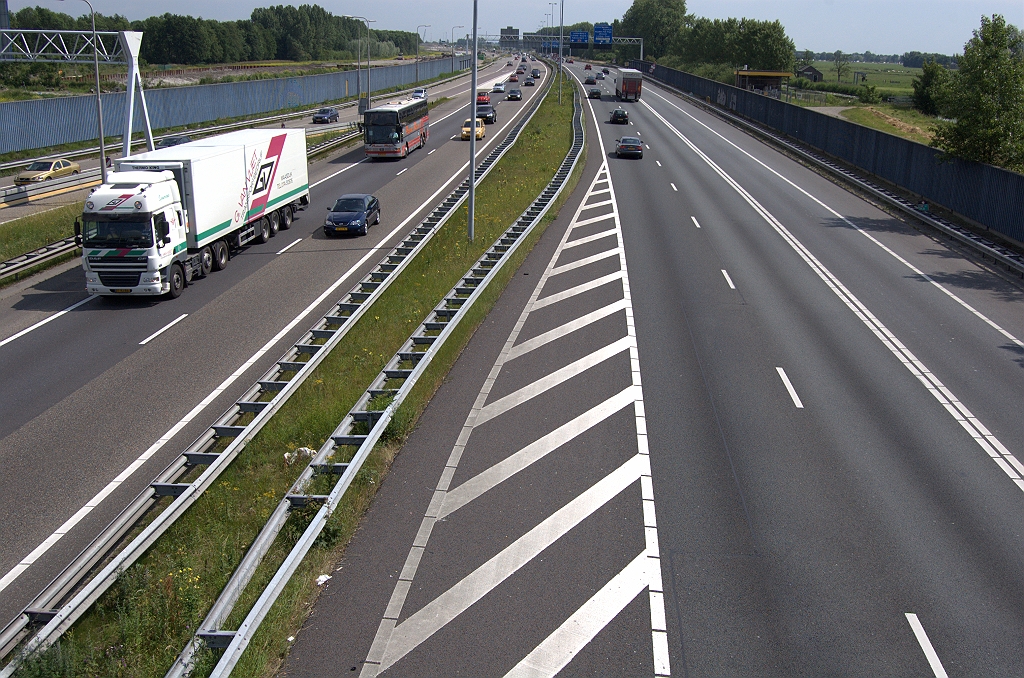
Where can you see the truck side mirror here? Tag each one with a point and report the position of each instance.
(78, 232)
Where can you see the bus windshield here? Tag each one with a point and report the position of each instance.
(136, 232)
(383, 134)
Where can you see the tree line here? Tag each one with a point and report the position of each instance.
(707, 47)
(304, 33)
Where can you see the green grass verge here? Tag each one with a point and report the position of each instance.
(138, 627)
(903, 122)
(19, 236)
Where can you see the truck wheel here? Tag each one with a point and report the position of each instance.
(286, 218)
(263, 230)
(177, 281)
(275, 223)
(205, 261)
(220, 255)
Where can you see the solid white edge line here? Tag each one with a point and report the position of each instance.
(854, 226)
(163, 329)
(288, 247)
(44, 321)
(789, 387)
(728, 279)
(695, 222)
(926, 645)
(66, 527)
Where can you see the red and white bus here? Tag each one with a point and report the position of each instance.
(393, 130)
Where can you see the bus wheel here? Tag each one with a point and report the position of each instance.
(286, 218)
(205, 261)
(275, 223)
(220, 255)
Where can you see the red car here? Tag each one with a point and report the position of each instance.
(588, 68)
(513, 78)
(483, 98)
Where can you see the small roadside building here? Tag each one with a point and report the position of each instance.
(811, 73)
(763, 81)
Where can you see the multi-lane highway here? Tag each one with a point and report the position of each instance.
(99, 394)
(729, 419)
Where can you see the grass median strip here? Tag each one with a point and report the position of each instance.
(139, 626)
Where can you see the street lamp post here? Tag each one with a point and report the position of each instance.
(472, 130)
(553, 5)
(561, 39)
(368, 22)
(99, 100)
(453, 46)
(418, 50)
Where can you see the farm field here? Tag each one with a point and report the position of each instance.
(889, 79)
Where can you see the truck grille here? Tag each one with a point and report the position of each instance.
(120, 279)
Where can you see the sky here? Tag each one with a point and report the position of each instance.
(881, 26)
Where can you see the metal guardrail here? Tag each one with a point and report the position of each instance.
(313, 346)
(404, 368)
(988, 249)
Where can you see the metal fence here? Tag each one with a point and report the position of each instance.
(39, 123)
(988, 195)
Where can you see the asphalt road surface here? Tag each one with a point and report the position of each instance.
(346, 115)
(88, 401)
(729, 419)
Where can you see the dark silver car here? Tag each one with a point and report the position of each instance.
(326, 115)
(352, 213)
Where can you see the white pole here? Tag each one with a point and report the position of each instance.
(561, 39)
(472, 130)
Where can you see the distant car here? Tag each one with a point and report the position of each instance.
(587, 67)
(44, 170)
(590, 80)
(599, 75)
(499, 88)
(514, 95)
(513, 78)
(167, 142)
(524, 60)
(619, 117)
(594, 93)
(535, 73)
(629, 147)
(569, 61)
(520, 71)
(352, 213)
(467, 128)
(487, 113)
(605, 71)
(483, 97)
(529, 82)
(509, 63)
(326, 115)
(533, 58)
(419, 93)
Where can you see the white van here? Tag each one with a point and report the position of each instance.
(419, 93)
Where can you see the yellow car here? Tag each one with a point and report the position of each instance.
(41, 170)
(468, 126)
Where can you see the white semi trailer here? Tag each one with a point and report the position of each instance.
(167, 217)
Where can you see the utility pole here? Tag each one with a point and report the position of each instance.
(472, 129)
(561, 39)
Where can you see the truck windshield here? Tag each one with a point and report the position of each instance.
(113, 234)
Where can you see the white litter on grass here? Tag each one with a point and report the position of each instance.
(291, 457)
(291, 639)
(322, 579)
